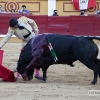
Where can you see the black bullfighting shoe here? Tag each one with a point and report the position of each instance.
(39, 78)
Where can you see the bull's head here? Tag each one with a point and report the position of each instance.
(24, 59)
(21, 68)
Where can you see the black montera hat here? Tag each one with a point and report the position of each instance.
(13, 22)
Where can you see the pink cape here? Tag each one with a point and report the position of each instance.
(5, 73)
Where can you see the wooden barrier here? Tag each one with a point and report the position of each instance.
(72, 25)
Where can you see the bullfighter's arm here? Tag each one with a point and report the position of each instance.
(7, 37)
(34, 25)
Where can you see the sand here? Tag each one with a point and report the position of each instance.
(63, 82)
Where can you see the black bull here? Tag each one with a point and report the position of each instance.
(68, 49)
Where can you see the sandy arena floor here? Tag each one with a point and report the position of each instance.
(63, 83)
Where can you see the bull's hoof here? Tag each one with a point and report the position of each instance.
(72, 65)
(93, 83)
(39, 78)
(44, 81)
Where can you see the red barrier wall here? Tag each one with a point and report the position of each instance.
(73, 25)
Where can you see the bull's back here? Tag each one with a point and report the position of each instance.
(84, 48)
(60, 41)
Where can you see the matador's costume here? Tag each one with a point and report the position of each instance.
(25, 33)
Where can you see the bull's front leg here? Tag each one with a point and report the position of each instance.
(44, 69)
(44, 76)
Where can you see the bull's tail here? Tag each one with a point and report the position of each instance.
(93, 37)
(97, 61)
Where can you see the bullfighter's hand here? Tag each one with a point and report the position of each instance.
(24, 76)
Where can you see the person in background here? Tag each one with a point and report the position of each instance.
(55, 13)
(12, 11)
(23, 29)
(23, 10)
(97, 12)
(83, 13)
(2, 11)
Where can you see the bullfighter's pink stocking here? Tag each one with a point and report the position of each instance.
(37, 72)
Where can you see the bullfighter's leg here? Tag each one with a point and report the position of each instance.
(91, 65)
(37, 74)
